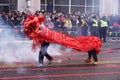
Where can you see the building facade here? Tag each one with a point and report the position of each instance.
(109, 7)
(106, 7)
(7, 5)
(71, 6)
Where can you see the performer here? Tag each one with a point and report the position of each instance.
(36, 31)
(92, 53)
(43, 53)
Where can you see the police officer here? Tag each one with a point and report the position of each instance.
(94, 26)
(103, 28)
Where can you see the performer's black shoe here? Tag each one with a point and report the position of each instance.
(104, 40)
(50, 61)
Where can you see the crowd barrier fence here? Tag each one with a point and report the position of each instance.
(6, 32)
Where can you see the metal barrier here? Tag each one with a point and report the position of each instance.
(8, 32)
(113, 33)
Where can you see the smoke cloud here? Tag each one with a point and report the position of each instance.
(15, 49)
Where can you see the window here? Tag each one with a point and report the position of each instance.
(78, 2)
(48, 1)
(13, 4)
(96, 10)
(62, 2)
(42, 7)
(4, 1)
(96, 2)
(4, 8)
(89, 2)
(89, 9)
(76, 9)
(63, 9)
(42, 1)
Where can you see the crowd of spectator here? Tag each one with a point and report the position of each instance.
(70, 24)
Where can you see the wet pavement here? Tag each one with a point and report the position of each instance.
(71, 66)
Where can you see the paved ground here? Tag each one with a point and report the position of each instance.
(68, 67)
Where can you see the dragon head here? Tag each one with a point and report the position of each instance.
(31, 24)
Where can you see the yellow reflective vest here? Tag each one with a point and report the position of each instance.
(95, 24)
(104, 23)
(83, 22)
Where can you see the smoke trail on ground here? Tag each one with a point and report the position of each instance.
(20, 51)
(13, 49)
(16, 51)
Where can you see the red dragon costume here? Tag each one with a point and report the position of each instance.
(36, 31)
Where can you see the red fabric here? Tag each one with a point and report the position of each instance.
(40, 32)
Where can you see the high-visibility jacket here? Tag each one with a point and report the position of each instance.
(68, 23)
(95, 24)
(104, 23)
(83, 22)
